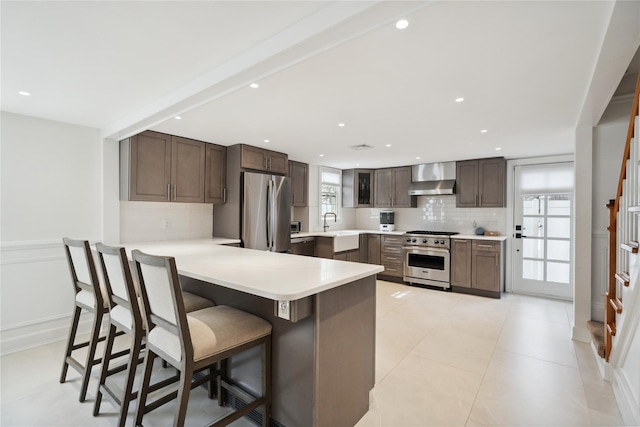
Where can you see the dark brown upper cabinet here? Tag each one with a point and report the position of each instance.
(215, 174)
(357, 188)
(299, 174)
(264, 160)
(391, 188)
(481, 183)
(157, 167)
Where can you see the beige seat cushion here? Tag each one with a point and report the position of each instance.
(193, 302)
(213, 330)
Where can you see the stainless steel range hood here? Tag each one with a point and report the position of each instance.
(433, 178)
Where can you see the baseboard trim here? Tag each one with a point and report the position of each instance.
(603, 366)
(580, 334)
(625, 399)
(40, 332)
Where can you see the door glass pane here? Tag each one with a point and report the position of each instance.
(558, 272)
(559, 227)
(559, 250)
(533, 248)
(533, 226)
(559, 205)
(533, 205)
(533, 270)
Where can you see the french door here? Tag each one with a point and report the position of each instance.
(543, 241)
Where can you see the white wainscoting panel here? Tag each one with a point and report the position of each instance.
(36, 295)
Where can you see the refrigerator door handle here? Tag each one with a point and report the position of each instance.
(269, 184)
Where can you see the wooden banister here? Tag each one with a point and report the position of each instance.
(613, 305)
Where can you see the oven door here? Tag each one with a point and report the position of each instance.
(427, 265)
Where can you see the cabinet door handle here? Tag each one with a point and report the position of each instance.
(175, 192)
(264, 161)
(485, 246)
(169, 192)
(480, 204)
(477, 204)
(224, 195)
(459, 241)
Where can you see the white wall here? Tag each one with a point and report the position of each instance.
(609, 138)
(146, 221)
(50, 188)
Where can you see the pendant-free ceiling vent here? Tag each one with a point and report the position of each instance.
(360, 147)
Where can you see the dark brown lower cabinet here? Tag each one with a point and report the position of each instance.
(391, 256)
(373, 249)
(477, 267)
(351, 256)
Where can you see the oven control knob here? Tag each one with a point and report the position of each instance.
(413, 240)
(436, 241)
(442, 242)
(424, 240)
(408, 240)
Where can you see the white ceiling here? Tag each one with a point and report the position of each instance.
(523, 68)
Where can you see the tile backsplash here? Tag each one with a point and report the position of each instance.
(151, 221)
(437, 213)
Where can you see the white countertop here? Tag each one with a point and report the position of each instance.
(395, 233)
(275, 276)
(476, 237)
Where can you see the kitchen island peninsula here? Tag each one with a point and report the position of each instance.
(323, 317)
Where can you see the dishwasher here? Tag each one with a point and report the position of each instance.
(303, 246)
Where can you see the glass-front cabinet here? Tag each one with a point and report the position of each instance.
(357, 188)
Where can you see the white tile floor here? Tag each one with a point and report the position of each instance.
(442, 359)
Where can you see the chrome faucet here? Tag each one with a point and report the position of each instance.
(335, 217)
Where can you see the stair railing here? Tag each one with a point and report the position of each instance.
(619, 232)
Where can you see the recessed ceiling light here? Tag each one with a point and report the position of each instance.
(341, 125)
(498, 148)
(418, 158)
(357, 164)
(178, 118)
(321, 155)
(266, 140)
(484, 131)
(23, 93)
(460, 99)
(388, 145)
(402, 24)
(254, 85)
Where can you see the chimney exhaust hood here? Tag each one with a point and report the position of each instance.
(433, 179)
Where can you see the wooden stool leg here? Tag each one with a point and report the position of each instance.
(131, 373)
(91, 352)
(183, 395)
(72, 337)
(266, 381)
(221, 377)
(144, 386)
(106, 358)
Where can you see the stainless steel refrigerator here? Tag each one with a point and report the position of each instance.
(258, 212)
(266, 212)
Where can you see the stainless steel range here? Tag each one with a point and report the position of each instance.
(427, 257)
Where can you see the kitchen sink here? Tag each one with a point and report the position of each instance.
(344, 240)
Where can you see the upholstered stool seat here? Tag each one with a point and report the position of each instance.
(213, 331)
(196, 341)
(193, 302)
(88, 296)
(125, 315)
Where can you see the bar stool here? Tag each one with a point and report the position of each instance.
(88, 296)
(125, 315)
(193, 342)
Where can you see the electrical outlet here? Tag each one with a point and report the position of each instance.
(165, 223)
(284, 310)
